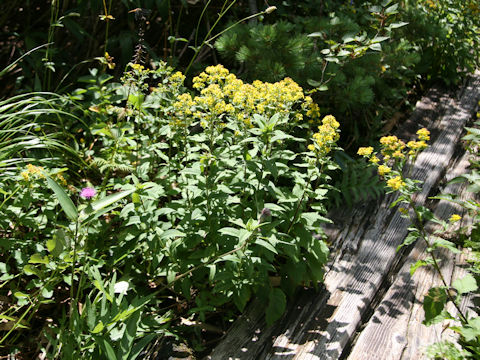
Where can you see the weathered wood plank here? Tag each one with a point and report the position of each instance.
(397, 322)
(320, 326)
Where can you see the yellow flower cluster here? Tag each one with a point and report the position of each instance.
(32, 170)
(222, 92)
(365, 151)
(415, 146)
(423, 134)
(395, 183)
(177, 79)
(392, 147)
(312, 109)
(383, 169)
(184, 109)
(394, 152)
(326, 136)
(137, 67)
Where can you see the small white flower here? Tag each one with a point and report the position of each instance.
(121, 287)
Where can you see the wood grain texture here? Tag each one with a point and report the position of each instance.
(320, 326)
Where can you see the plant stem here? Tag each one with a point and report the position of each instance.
(436, 266)
(72, 290)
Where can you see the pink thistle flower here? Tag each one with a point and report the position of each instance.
(88, 193)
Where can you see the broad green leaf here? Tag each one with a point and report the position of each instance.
(229, 231)
(65, 202)
(171, 233)
(412, 236)
(266, 245)
(57, 243)
(434, 304)
(241, 295)
(471, 330)
(439, 242)
(277, 302)
(32, 270)
(38, 259)
(20, 295)
(170, 275)
(466, 284)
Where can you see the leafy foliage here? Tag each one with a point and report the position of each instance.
(355, 183)
(216, 194)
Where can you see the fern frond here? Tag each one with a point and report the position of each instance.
(357, 182)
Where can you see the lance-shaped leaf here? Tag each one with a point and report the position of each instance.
(65, 202)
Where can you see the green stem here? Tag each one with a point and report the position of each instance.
(436, 266)
(197, 49)
(301, 199)
(72, 290)
(14, 327)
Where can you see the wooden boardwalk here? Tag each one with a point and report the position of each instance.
(370, 307)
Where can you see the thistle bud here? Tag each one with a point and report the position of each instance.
(270, 9)
(265, 216)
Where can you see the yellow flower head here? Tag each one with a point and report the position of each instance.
(454, 218)
(365, 151)
(374, 160)
(383, 169)
(423, 134)
(331, 121)
(395, 183)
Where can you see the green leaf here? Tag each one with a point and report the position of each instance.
(397, 25)
(229, 231)
(20, 295)
(57, 243)
(38, 259)
(266, 245)
(110, 199)
(241, 295)
(466, 284)
(171, 233)
(412, 236)
(107, 348)
(434, 304)
(420, 263)
(65, 202)
(138, 347)
(129, 336)
(32, 270)
(98, 328)
(471, 330)
(439, 242)
(277, 302)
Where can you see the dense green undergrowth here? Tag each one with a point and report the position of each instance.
(157, 205)
(191, 203)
